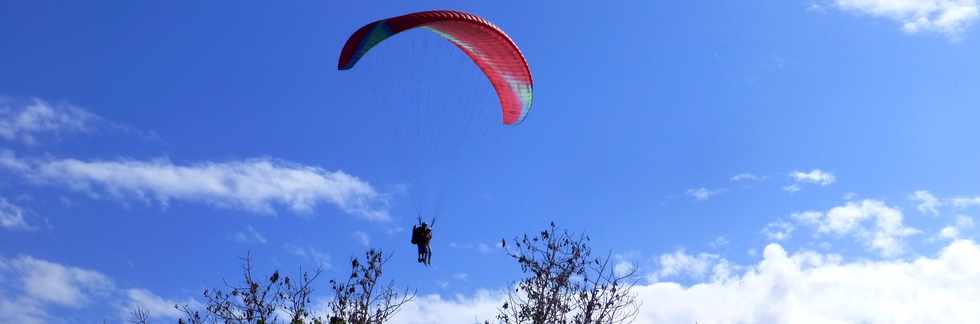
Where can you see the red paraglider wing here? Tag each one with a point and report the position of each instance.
(489, 47)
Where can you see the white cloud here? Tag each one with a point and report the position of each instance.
(250, 235)
(949, 232)
(948, 17)
(460, 309)
(362, 238)
(746, 177)
(31, 289)
(255, 185)
(879, 226)
(24, 122)
(928, 204)
(816, 288)
(309, 253)
(51, 282)
(443, 284)
(805, 287)
(778, 230)
(815, 176)
(155, 306)
(964, 222)
(623, 267)
(718, 242)
(22, 311)
(952, 232)
(702, 194)
(12, 216)
(964, 202)
(9, 161)
(482, 248)
(29, 121)
(810, 217)
(682, 265)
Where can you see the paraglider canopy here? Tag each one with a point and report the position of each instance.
(487, 45)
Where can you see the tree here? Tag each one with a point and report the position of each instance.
(257, 301)
(362, 298)
(139, 316)
(564, 283)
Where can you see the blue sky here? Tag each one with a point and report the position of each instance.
(145, 147)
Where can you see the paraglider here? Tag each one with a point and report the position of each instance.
(486, 44)
(497, 56)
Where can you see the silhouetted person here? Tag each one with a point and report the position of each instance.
(421, 236)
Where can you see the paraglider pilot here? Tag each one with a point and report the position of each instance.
(421, 236)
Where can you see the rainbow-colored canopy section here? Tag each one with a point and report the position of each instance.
(488, 46)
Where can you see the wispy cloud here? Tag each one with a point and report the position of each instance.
(718, 242)
(12, 216)
(746, 177)
(156, 307)
(948, 17)
(362, 238)
(311, 254)
(815, 177)
(702, 193)
(26, 121)
(31, 121)
(623, 267)
(953, 232)
(483, 248)
(964, 201)
(9, 161)
(249, 235)
(254, 185)
(928, 204)
(778, 230)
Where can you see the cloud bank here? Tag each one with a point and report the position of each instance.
(804, 287)
(31, 289)
(256, 185)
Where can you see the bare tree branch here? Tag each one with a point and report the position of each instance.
(139, 316)
(256, 301)
(565, 284)
(361, 299)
